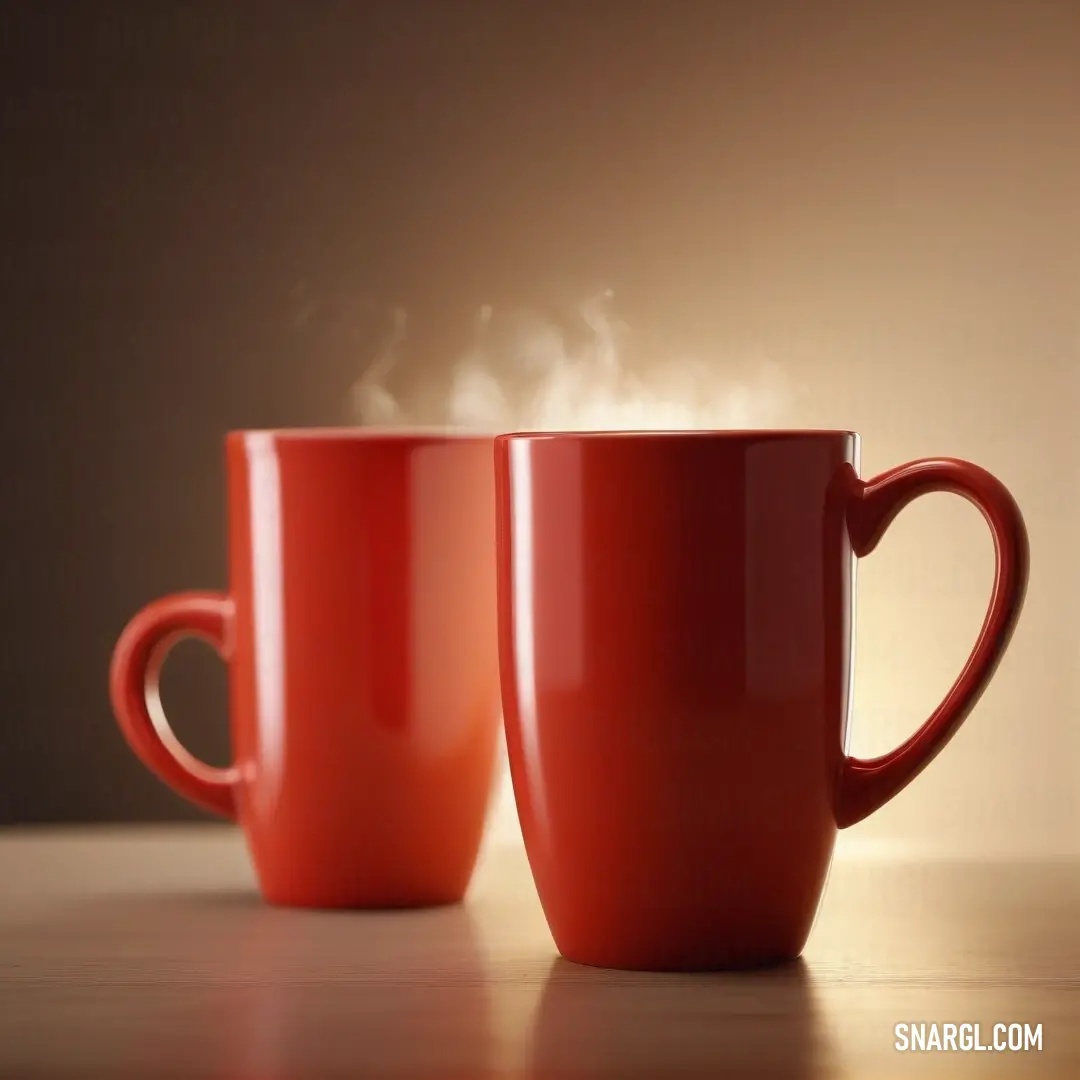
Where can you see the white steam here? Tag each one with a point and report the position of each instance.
(523, 374)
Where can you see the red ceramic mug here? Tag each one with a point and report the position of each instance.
(360, 634)
(675, 625)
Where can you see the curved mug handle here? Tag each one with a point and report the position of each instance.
(133, 685)
(866, 785)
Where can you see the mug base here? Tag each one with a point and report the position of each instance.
(681, 963)
(404, 905)
(352, 902)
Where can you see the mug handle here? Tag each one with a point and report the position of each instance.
(133, 685)
(871, 506)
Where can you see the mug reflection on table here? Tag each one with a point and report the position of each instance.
(676, 616)
(359, 631)
(595, 1023)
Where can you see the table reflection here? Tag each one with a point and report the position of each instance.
(408, 995)
(602, 1023)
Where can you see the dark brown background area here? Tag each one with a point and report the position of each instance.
(206, 209)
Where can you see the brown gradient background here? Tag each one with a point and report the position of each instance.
(206, 208)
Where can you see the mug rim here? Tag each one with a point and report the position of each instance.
(347, 433)
(689, 433)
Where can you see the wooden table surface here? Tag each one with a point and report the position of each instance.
(146, 953)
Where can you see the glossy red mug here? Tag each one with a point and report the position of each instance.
(675, 624)
(359, 630)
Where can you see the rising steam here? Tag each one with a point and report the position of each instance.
(524, 374)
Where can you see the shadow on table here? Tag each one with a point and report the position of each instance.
(602, 1023)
